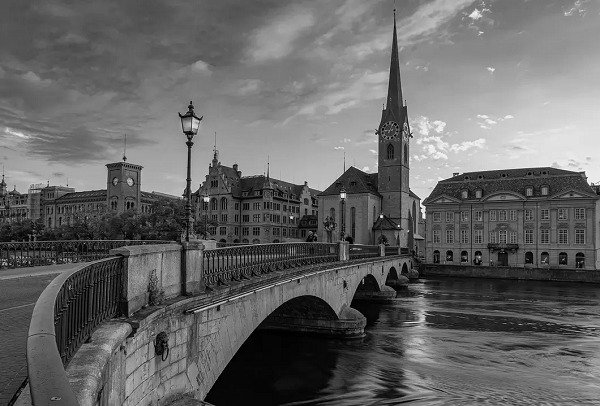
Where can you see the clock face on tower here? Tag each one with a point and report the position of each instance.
(115, 181)
(390, 130)
(130, 181)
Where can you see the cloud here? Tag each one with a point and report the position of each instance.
(487, 122)
(201, 67)
(467, 145)
(366, 169)
(15, 133)
(491, 69)
(338, 148)
(576, 9)
(424, 126)
(72, 38)
(373, 151)
(475, 15)
(275, 40)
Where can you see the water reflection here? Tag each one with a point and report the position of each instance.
(442, 342)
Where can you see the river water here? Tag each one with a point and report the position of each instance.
(445, 341)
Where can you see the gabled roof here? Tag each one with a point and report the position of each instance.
(385, 224)
(354, 181)
(85, 195)
(511, 180)
(259, 182)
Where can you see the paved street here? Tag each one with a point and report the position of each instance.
(19, 289)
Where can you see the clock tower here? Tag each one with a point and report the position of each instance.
(123, 186)
(393, 138)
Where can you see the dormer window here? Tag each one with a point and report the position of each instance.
(465, 194)
(529, 191)
(478, 193)
(480, 177)
(544, 190)
(529, 173)
(503, 175)
(467, 177)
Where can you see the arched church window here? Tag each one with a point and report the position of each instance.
(390, 151)
(223, 203)
(213, 204)
(405, 153)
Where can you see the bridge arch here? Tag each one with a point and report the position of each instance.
(404, 269)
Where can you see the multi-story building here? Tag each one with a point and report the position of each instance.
(513, 217)
(379, 207)
(257, 209)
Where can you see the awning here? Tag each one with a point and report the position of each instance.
(418, 237)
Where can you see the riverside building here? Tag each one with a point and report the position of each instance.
(532, 217)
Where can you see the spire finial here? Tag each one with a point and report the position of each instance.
(125, 148)
(215, 150)
(268, 165)
(344, 161)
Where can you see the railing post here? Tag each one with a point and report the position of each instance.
(191, 267)
(382, 250)
(344, 254)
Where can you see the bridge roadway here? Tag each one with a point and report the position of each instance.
(205, 331)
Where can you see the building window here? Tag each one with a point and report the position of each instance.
(544, 236)
(464, 216)
(478, 215)
(214, 217)
(493, 237)
(204, 206)
(236, 218)
(245, 231)
(562, 258)
(563, 214)
(449, 216)
(502, 215)
(528, 236)
(224, 218)
(236, 206)
(212, 230)
(544, 190)
(405, 153)
(245, 218)
(528, 215)
(437, 216)
(579, 236)
(256, 218)
(545, 258)
(236, 231)
(579, 260)
(255, 230)
(214, 183)
(478, 236)
(436, 237)
(246, 206)
(492, 215)
(436, 257)
(256, 205)
(529, 192)
(449, 256)
(464, 256)
(213, 204)
(449, 236)
(512, 215)
(512, 237)
(545, 214)
(502, 235)
(223, 203)
(353, 222)
(579, 214)
(222, 230)
(464, 236)
(478, 193)
(477, 260)
(390, 151)
(465, 194)
(563, 236)
(529, 257)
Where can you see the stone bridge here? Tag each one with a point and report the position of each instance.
(204, 329)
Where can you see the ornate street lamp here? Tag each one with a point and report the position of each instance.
(343, 226)
(398, 229)
(381, 227)
(206, 200)
(189, 124)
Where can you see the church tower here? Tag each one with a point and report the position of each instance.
(393, 136)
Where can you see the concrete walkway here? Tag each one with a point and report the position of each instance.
(19, 290)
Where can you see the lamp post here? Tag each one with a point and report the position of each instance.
(343, 226)
(206, 200)
(398, 229)
(381, 227)
(189, 124)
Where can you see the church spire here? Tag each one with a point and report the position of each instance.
(394, 97)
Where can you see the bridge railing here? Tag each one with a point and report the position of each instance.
(391, 250)
(64, 317)
(37, 253)
(358, 251)
(223, 265)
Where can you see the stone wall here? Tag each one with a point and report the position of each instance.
(534, 274)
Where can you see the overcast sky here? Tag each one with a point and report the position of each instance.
(489, 84)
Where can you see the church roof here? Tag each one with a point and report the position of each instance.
(511, 180)
(354, 181)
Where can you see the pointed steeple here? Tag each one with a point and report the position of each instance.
(394, 97)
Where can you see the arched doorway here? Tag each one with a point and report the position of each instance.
(563, 258)
(478, 258)
(502, 258)
(545, 258)
(464, 257)
(449, 256)
(580, 260)
(436, 257)
(529, 257)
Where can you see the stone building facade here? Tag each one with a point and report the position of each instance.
(533, 217)
(379, 206)
(254, 209)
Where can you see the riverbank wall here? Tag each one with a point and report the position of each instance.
(517, 273)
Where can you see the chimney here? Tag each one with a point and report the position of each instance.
(235, 167)
(455, 174)
(305, 183)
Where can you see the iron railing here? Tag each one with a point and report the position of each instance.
(27, 254)
(65, 315)
(223, 265)
(358, 251)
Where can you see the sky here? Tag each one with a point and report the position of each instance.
(488, 85)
